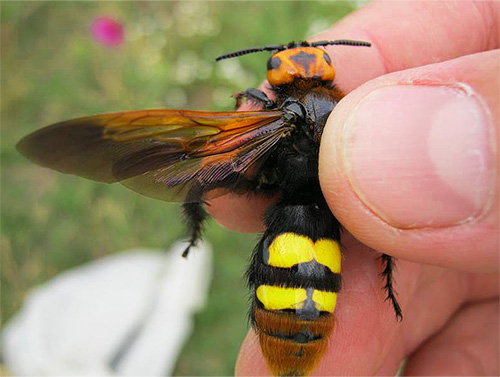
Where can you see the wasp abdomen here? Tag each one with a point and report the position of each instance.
(296, 279)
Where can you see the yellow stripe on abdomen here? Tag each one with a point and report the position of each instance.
(279, 298)
(327, 253)
(290, 249)
(324, 301)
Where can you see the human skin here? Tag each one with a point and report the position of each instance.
(409, 165)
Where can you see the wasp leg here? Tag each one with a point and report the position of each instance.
(194, 216)
(388, 263)
(193, 211)
(257, 96)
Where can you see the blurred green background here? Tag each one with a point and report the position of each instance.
(52, 69)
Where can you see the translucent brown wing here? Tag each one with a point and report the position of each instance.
(173, 155)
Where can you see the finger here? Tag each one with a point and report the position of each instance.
(467, 346)
(242, 213)
(409, 163)
(420, 33)
(367, 339)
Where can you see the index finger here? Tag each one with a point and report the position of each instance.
(420, 33)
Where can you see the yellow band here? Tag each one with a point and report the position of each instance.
(290, 249)
(324, 301)
(279, 298)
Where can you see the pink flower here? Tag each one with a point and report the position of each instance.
(107, 31)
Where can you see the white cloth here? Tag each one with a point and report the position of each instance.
(127, 314)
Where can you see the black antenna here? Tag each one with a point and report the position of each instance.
(251, 50)
(341, 42)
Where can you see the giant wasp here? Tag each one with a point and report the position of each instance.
(193, 156)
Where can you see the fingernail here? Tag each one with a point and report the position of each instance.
(421, 156)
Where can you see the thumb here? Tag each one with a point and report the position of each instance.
(409, 163)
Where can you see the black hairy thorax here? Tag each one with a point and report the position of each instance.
(292, 167)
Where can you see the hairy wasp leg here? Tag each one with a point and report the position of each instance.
(257, 96)
(194, 216)
(389, 263)
(193, 211)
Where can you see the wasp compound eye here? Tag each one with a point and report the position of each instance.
(273, 63)
(327, 58)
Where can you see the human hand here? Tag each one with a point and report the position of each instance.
(409, 165)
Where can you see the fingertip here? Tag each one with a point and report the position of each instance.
(458, 29)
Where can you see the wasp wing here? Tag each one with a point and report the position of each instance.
(173, 155)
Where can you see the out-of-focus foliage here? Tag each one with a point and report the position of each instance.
(52, 69)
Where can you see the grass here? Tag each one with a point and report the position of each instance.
(52, 70)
